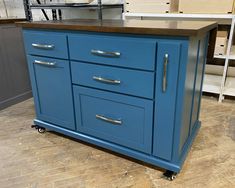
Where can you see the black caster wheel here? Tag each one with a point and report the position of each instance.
(40, 129)
(169, 175)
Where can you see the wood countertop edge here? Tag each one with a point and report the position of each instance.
(125, 30)
(11, 21)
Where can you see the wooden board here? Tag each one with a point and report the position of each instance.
(151, 6)
(78, 1)
(206, 6)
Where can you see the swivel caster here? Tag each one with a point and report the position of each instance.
(169, 175)
(40, 129)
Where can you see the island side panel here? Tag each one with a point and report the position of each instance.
(199, 81)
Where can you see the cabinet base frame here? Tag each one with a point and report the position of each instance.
(174, 167)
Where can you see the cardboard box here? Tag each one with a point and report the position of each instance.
(206, 6)
(151, 6)
(221, 43)
(220, 50)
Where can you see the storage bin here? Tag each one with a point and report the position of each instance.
(151, 6)
(206, 6)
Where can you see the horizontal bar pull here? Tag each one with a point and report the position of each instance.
(105, 54)
(107, 81)
(43, 46)
(109, 120)
(50, 64)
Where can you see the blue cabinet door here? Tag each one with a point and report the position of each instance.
(52, 90)
(166, 90)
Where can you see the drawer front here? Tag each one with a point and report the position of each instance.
(119, 51)
(46, 44)
(138, 83)
(123, 120)
(52, 90)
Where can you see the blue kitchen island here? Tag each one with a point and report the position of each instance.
(133, 87)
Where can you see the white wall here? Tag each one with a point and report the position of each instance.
(15, 9)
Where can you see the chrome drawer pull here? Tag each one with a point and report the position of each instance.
(43, 46)
(107, 81)
(164, 81)
(116, 122)
(51, 64)
(105, 54)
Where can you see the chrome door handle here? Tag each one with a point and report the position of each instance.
(43, 46)
(105, 80)
(109, 120)
(50, 64)
(165, 67)
(105, 54)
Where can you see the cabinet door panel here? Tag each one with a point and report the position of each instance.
(166, 90)
(52, 90)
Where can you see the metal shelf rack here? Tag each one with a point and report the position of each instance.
(58, 6)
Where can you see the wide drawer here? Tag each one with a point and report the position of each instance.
(133, 82)
(120, 119)
(46, 44)
(119, 51)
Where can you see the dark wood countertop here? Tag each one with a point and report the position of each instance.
(148, 27)
(11, 20)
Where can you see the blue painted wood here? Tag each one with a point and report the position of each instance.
(165, 101)
(180, 99)
(198, 81)
(136, 116)
(136, 53)
(188, 144)
(52, 91)
(204, 60)
(111, 146)
(59, 41)
(138, 83)
(189, 91)
(160, 135)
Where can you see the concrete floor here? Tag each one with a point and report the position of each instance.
(30, 159)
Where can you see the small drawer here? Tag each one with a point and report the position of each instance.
(116, 118)
(138, 53)
(46, 44)
(133, 82)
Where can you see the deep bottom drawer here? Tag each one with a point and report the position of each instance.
(116, 118)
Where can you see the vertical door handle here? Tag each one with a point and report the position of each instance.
(165, 67)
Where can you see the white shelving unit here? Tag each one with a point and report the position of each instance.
(222, 85)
